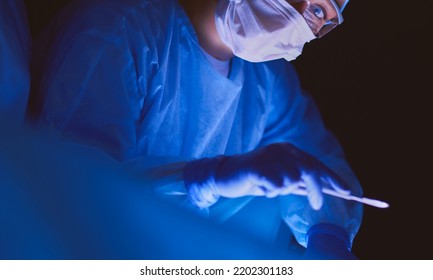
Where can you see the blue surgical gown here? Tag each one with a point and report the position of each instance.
(15, 44)
(129, 77)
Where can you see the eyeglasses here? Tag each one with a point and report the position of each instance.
(316, 16)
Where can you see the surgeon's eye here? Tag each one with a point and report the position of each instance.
(318, 11)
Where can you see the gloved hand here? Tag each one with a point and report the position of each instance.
(273, 170)
(328, 242)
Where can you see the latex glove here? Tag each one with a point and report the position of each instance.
(273, 170)
(328, 242)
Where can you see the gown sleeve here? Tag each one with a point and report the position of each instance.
(92, 91)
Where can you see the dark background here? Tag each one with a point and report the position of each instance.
(371, 78)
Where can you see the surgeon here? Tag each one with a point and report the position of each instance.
(15, 49)
(199, 96)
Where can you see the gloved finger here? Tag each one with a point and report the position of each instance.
(312, 184)
(291, 186)
(273, 193)
(286, 186)
(261, 186)
(332, 180)
(335, 183)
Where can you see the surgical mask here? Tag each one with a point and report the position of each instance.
(262, 30)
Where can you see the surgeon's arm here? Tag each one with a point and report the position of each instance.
(295, 118)
(92, 94)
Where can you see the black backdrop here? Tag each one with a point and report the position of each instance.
(371, 79)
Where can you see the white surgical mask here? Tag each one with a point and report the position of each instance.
(262, 30)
